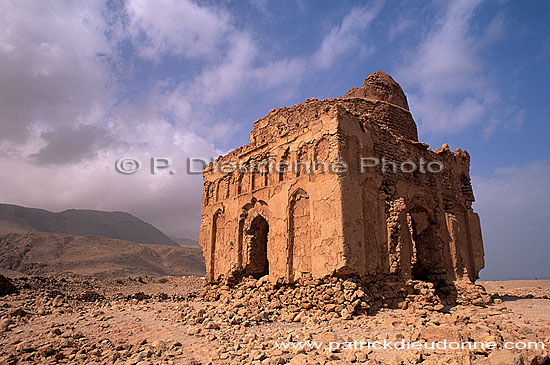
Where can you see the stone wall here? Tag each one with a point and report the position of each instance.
(280, 221)
(310, 222)
(411, 224)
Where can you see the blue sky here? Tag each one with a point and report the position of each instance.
(84, 84)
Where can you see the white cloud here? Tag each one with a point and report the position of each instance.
(170, 202)
(235, 64)
(231, 62)
(495, 30)
(61, 129)
(511, 118)
(447, 77)
(177, 27)
(399, 27)
(513, 206)
(63, 125)
(282, 71)
(345, 37)
(229, 76)
(51, 74)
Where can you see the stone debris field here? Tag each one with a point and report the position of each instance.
(146, 320)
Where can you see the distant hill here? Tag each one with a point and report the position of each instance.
(39, 253)
(119, 225)
(185, 241)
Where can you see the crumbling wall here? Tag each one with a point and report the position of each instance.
(374, 224)
(412, 225)
(300, 209)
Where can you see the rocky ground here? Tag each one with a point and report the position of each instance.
(42, 253)
(173, 320)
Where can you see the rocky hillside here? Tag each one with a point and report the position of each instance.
(119, 225)
(38, 253)
(185, 241)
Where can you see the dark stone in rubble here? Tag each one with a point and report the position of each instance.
(6, 286)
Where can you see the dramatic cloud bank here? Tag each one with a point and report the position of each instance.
(67, 117)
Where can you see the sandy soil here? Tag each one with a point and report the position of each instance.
(164, 320)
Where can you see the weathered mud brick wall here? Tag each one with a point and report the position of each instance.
(277, 223)
(314, 221)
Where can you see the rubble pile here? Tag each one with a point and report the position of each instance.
(335, 297)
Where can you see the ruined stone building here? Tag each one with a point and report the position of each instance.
(300, 220)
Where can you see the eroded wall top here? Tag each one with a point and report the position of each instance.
(380, 86)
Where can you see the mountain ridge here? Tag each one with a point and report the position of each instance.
(81, 222)
(39, 253)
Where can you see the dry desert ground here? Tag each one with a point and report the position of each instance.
(151, 320)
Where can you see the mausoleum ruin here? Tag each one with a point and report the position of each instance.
(341, 187)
